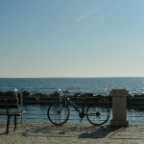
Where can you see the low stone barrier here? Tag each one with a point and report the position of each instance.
(119, 107)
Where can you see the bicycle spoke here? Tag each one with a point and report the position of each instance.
(97, 115)
(58, 114)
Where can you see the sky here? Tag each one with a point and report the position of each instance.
(71, 38)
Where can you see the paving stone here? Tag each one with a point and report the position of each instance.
(35, 133)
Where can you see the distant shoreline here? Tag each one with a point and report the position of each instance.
(68, 77)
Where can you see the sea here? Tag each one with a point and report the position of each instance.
(97, 86)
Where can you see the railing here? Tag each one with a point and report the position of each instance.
(35, 106)
(36, 111)
(135, 112)
(136, 102)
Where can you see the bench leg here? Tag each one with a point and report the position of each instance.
(15, 122)
(8, 123)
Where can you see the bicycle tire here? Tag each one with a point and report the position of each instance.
(58, 113)
(98, 114)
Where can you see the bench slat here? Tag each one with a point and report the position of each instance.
(12, 113)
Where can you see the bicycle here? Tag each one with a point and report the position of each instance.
(96, 113)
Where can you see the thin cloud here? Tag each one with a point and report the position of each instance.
(85, 15)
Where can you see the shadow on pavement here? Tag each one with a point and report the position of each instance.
(102, 132)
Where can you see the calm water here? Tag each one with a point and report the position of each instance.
(94, 85)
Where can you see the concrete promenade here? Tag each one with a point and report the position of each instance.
(44, 133)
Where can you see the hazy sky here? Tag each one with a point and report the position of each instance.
(71, 38)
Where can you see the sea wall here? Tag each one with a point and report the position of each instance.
(135, 101)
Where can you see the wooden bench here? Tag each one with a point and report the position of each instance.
(9, 106)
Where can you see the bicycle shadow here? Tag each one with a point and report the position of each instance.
(101, 132)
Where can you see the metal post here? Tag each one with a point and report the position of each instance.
(21, 98)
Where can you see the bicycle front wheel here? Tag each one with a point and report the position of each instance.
(58, 113)
(98, 114)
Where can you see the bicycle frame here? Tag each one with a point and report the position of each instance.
(82, 114)
(76, 108)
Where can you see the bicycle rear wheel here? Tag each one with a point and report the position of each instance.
(58, 113)
(98, 114)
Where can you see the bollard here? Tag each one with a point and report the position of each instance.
(119, 107)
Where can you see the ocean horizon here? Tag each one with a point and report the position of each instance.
(96, 85)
